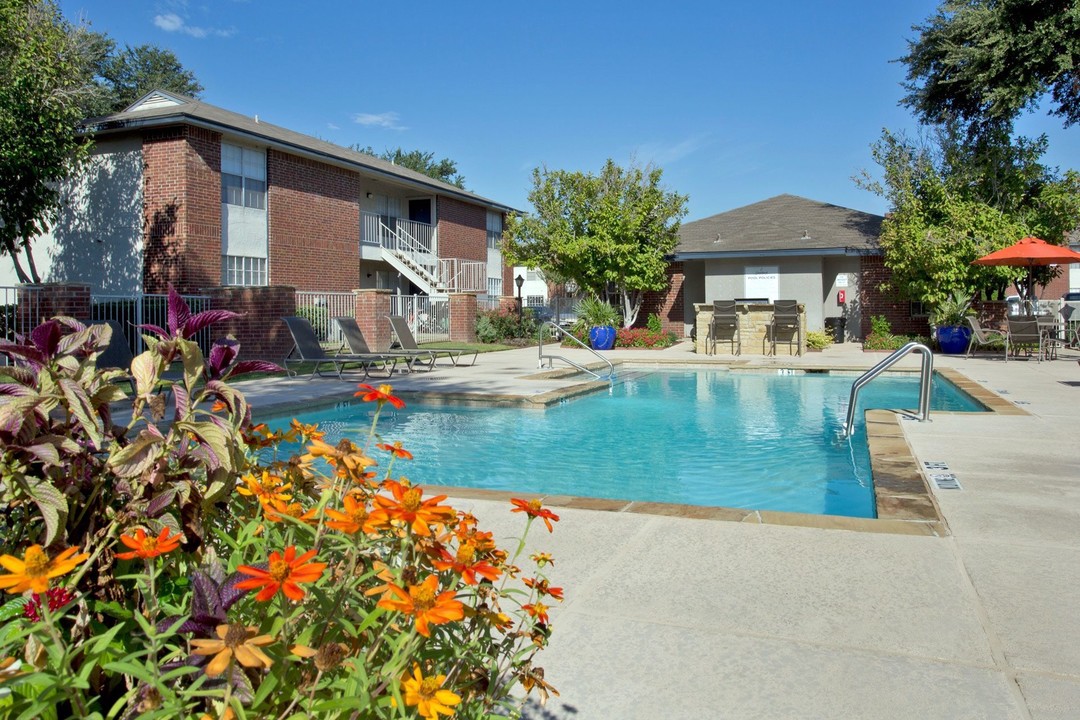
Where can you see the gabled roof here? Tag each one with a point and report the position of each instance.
(159, 108)
(781, 225)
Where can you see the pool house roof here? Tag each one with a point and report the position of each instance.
(781, 225)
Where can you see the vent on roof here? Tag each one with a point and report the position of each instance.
(155, 100)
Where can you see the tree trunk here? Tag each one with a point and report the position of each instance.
(31, 264)
(19, 272)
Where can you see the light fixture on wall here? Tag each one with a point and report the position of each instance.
(368, 195)
(369, 274)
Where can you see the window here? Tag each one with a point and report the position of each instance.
(494, 287)
(534, 301)
(494, 229)
(239, 270)
(243, 177)
(919, 309)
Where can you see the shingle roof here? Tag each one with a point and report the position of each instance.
(160, 111)
(785, 223)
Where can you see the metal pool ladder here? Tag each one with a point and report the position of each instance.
(560, 331)
(925, 377)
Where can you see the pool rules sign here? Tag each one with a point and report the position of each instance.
(762, 281)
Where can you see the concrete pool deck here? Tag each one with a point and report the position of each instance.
(678, 617)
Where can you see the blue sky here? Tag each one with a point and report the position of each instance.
(737, 101)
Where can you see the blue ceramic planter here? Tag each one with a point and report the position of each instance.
(953, 339)
(602, 337)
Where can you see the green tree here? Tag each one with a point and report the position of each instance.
(609, 233)
(954, 200)
(983, 62)
(444, 170)
(125, 76)
(43, 67)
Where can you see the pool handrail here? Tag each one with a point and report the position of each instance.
(559, 330)
(925, 376)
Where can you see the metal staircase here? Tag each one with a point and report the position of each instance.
(925, 377)
(409, 247)
(558, 331)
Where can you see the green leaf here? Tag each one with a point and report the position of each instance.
(14, 411)
(52, 505)
(217, 441)
(136, 457)
(144, 369)
(80, 407)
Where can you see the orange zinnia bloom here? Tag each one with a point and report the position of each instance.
(542, 588)
(533, 509)
(354, 518)
(268, 488)
(465, 564)
(396, 450)
(408, 507)
(35, 569)
(424, 604)
(538, 610)
(347, 459)
(284, 572)
(428, 695)
(147, 546)
(237, 641)
(274, 510)
(380, 395)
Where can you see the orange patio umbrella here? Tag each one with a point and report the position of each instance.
(1029, 253)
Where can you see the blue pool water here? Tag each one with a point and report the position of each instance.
(701, 437)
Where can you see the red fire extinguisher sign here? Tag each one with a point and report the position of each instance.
(841, 297)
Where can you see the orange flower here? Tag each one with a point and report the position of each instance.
(147, 546)
(422, 602)
(533, 509)
(354, 518)
(308, 432)
(542, 558)
(283, 572)
(542, 588)
(465, 564)
(396, 450)
(347, 459)
(274, 510)
(428, 695)
(237, 641)
(538, 610)
(380, 395)
(35, 570)
(268, 488)
(408, 507)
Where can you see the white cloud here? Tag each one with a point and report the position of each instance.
(666, 153)
(171, 22)
(387, 120)
(332, 126)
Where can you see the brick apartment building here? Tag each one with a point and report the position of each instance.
(180, 191)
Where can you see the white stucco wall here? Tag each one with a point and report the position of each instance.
(97, 239)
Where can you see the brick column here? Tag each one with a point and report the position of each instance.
(372, 309)
(260, 332)
(509, 304)
(463, 317)
(38, 303)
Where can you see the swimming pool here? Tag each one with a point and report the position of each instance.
(762, 441)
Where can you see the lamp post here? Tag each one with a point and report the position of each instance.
(519, 281)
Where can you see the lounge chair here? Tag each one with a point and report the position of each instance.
(786, 317)
(725, 320)
(117, 354)
(1023, 332)
(306, 348)
(983, 336)
(354, 338)
(408, 342)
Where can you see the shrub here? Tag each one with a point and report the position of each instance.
(818, 339)
(493, 326)
(319, 317)
(643, 338)
(198, 568)
(654, 323)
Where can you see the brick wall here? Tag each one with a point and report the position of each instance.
(462, 230)
(261, 333)
(181, 209)
(463, 317)
(372, 307)
(873, 301)
(38, 303)
(314, 220)
(667, 303)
